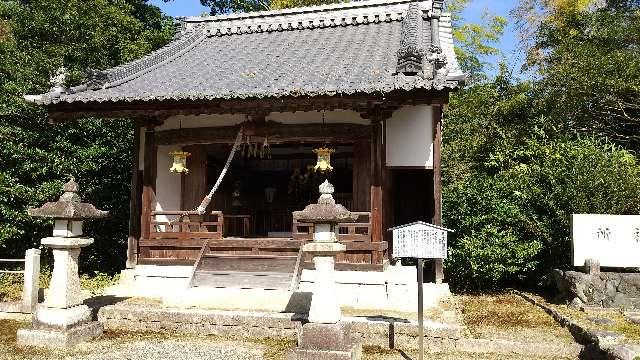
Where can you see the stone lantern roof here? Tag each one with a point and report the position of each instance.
(69, 206)
(326, 211)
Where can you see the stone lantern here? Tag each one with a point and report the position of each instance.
(62, 320)
(325, 335)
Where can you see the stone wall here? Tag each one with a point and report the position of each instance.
(604, 289)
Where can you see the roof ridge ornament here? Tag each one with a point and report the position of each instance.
(96, 79)
(411, 53)
(436, 59)
(57, 81)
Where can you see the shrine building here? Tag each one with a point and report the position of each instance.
(261, 108)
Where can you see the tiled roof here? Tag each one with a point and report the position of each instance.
(365, 47)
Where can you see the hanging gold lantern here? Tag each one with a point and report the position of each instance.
(324, 159)
(179, 162)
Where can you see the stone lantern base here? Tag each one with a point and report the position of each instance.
(40, 335)
(326, 342)
(62, 320)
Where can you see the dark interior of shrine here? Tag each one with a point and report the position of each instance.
(264, 185)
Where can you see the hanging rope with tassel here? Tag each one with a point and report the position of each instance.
(207, 199)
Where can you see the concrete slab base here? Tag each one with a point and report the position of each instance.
(239, 299)
(395, 289)
(55, 338)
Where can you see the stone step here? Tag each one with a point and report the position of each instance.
(373, 330)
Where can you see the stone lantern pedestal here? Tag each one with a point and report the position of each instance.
(325, 336)
(63, 320)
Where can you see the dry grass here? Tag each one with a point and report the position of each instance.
(275, 349)
(10, 287)
(374, 354)
(509, 317)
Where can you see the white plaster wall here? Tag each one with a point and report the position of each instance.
(613, 240)
(168, 184)
(409, 137)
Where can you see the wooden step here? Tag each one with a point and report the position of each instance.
(248, 263)
(248, 271)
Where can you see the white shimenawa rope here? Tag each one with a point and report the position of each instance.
(207, 199)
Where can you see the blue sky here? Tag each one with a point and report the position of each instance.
(473, 13)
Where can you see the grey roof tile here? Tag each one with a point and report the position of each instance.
(326, 50)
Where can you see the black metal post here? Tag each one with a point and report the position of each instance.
(420, 308)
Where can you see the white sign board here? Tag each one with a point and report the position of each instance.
(613, 240)
(420, 240)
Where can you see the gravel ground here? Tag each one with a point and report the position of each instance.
(148, 350)
(172, 349)
(454, 356)
(144, 346)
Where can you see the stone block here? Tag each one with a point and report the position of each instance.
(605, 289)
(592, 266)
(632, 317)
(327, 341)
(31, 280)
(55, 338)
(607, 338)
(64, 290)
(326, 337)
(624, 351)
(67, 228)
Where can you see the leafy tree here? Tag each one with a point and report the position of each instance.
(36, 38)
(475, 41)
(512, 179)
(229, 6)
(587, 56)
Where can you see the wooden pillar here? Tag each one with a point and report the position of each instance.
(361, 176)
(134, 202)
(437, 182)
(377, 165)
(148, 184)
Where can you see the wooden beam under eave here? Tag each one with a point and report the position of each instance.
(162, 109)
(277, 133)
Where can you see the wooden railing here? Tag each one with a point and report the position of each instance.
(180, 237)
(358, 231)
(361, 252)
(186, 225)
